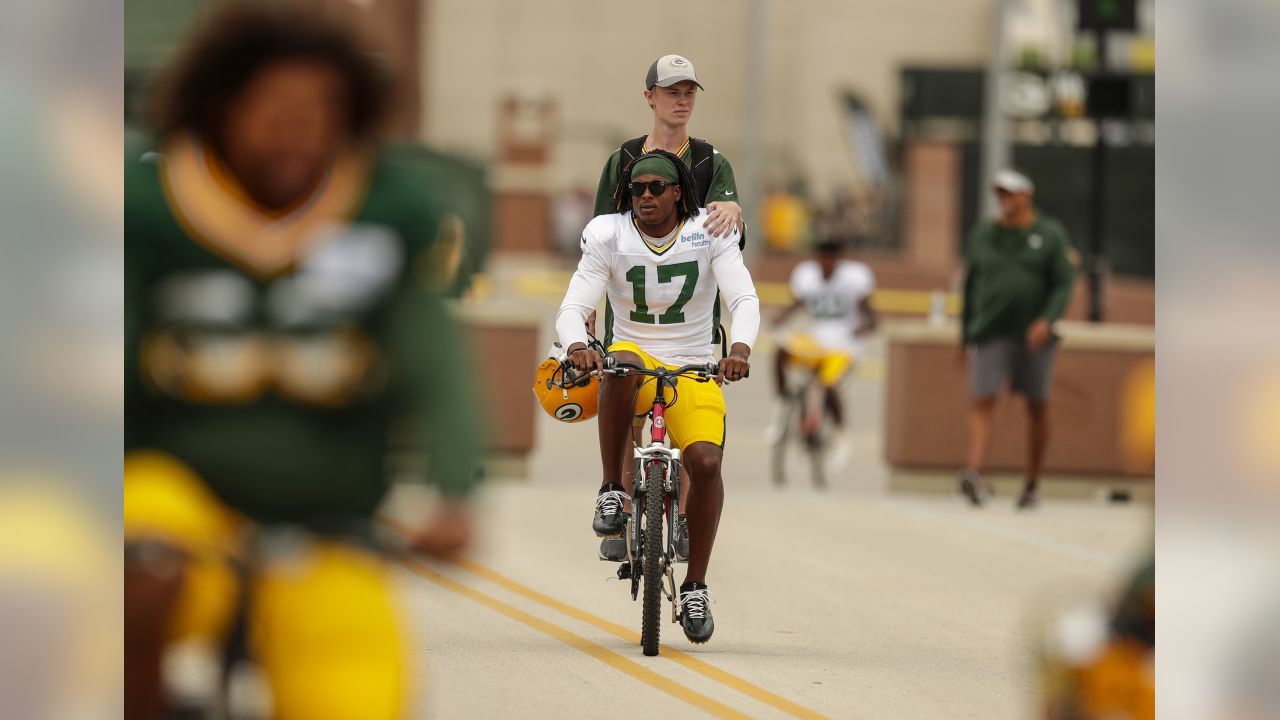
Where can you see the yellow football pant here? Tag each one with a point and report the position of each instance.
(322, 622)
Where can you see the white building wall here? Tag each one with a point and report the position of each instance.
(591, 56)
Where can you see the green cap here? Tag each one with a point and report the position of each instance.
(655, 165)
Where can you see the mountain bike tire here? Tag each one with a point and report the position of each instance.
(778, 450)
(817, 464)
(654, 507)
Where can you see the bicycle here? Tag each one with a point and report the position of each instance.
(802, 417)
(655, 501)
(804, 411)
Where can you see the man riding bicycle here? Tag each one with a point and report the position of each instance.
(837, 294)
(661, 270)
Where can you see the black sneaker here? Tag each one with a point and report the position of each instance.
(613, 548)
(610, 519)
(695, 613)
(1029, 499)
(973, 487)
(682, 539)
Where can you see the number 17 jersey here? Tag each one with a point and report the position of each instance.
(662, 293)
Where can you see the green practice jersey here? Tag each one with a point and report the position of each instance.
(1014, 276)
(722, 186)
(278, 354)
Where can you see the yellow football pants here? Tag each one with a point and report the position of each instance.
(323, 625)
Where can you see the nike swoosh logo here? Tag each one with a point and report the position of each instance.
(728, 192)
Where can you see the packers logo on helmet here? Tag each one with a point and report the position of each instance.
(569, 412)
(565, 394)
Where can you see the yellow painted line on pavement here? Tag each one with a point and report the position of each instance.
(702, 668)
(599, 652)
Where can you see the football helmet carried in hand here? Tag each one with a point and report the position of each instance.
(564, 393)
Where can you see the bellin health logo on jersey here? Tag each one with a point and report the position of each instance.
(696, 239)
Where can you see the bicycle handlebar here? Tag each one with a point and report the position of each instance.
(622, 369)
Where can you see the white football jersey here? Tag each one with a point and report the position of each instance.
(661, 297)
(833, 302)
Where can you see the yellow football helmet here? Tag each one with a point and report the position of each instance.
(564, 393)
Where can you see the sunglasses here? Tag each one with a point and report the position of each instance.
(656, 187)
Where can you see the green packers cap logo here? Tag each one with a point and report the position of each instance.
(679, 62)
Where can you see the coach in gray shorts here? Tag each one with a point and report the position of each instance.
(1018, 277)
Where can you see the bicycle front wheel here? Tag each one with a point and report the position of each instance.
(654, 506)
(786, 429)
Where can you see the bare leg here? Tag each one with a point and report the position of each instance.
(150, 599)
(980, 431)
(614, 420)
(629, 462)
(706, 500)
(835, 406)
(1038, 414)
(780, 361)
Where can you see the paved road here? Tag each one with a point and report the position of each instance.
(848, 603)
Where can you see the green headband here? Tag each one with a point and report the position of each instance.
(655, 165)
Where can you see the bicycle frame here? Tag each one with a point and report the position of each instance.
(804, 418)
(669, 458)
(657, 452)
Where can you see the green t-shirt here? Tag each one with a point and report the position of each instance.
(1014, 276)
(283, 379)
(723, 186)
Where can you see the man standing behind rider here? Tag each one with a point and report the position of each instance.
(671, 90)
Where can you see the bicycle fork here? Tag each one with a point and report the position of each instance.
(669, 458)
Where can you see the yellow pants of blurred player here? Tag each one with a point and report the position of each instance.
(830, 367)
(323, 624)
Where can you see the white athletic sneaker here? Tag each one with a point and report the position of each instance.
(839, 455)
(777, 424)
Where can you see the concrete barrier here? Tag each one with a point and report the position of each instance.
(1101, 410)
(504, 345)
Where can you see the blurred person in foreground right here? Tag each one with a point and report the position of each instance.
(282, 318)
(1018, 278)
(1098, 662)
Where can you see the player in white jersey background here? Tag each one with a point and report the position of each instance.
(836, 293)
(661, 270)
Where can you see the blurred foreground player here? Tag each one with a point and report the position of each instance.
(282, 320)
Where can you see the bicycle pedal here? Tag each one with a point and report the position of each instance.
(624, 570)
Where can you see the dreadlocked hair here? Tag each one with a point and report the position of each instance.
(686, 207)
(240, 40)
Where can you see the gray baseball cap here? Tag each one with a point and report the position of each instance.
(669, 70)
